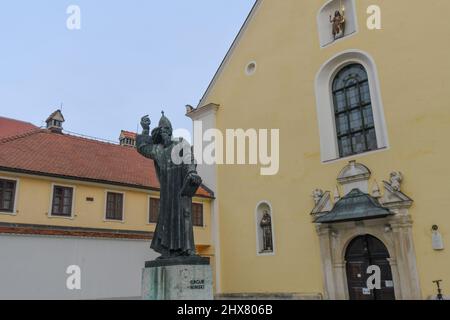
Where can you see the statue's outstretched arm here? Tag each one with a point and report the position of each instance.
(144, 141)
(145, 146)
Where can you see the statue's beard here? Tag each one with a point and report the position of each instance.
(166, 140)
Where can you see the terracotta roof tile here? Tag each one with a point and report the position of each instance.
(43, 152)
(11, 127)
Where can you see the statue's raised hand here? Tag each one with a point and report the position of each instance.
(195, 179)
(145, 122)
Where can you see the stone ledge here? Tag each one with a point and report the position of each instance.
(269, 296)
(179, 261)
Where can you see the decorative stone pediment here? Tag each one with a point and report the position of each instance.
(323, 204)
(394, 199)
(354, 175)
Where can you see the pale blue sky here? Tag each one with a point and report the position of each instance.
(130, 58)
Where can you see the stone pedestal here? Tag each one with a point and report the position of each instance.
(177, 279)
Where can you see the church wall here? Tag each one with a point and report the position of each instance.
(413, 69)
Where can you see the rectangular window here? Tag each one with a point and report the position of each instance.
(7, 195)
(62, 201)
(114, 206)
(154, 210)
(197, 214)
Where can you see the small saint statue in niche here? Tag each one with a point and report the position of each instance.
(338, 24)
(266, 226)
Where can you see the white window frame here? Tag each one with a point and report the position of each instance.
(16, 196)
(329, 150)
(148, 209)
(258, 230)
(72, 211)
(106, 206)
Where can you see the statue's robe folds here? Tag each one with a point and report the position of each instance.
(174, 230)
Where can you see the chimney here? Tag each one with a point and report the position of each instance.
(55, 121)
(127, 138)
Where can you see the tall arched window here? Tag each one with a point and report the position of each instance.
(353, 111)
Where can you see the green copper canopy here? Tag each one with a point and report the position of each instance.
(355, 206)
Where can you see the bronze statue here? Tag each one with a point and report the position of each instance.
(173, 236)
(338, 24)
(266, 225)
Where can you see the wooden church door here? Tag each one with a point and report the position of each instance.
(362, 252)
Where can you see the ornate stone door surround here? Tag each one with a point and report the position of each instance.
(395, 231)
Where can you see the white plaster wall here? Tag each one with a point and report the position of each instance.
(209, 177)
(33, 267)
(207, 172)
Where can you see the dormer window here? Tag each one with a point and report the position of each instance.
(55, 121)
(127, 138)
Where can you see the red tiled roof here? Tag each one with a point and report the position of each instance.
(43, 152)
(11, 127)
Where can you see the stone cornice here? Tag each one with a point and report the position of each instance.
(194, 114)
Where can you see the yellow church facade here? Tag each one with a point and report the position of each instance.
(360, 100)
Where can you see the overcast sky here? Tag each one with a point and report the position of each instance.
(130, 58)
